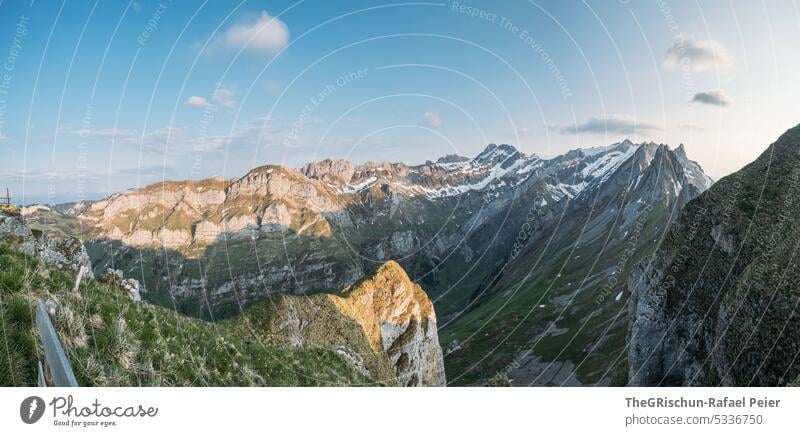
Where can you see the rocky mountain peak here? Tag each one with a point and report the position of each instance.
(680, 152)
(662, 150)
(497, 153)
(644, 154)
(337, 171)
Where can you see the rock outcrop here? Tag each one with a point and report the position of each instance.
(716, 304)
(384, 325)
(116, 278)
(68, 253)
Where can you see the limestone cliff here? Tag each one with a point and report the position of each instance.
(385, 325)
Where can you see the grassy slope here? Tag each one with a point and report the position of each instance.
(511, 320)
(54, 224)
(326, 327)
(112, 341)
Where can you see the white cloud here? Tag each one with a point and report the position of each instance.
(615, 124)
(697, 55)
(224, 96)
(431, 119)
(266, 35)
(196, 101)
(716, 97)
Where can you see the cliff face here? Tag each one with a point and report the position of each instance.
(385, 325)
(398, 319)
(716, 304)
(193, 214)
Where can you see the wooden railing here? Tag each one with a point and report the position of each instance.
(56, 370)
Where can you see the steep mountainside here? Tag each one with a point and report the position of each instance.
(553, 311)
(716, 304)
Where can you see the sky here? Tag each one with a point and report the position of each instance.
(100, 97)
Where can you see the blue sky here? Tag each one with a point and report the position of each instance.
(101, 97)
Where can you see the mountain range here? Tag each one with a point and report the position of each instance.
(522, 256)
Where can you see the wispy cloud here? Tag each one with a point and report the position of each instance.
(697, 55)
(524, 132)
(716, 97)
(156, 141)
(153, 141)
(264, 35)
(196, 101)
(224, 96)
(260, 131)
(431, 119)
(105, 133)
(147, 170)
(615, 124)
(692, 127)
(55, 176)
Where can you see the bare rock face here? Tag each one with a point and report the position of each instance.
(328, 170)
(656, 358)
(384, 325)
(194, 214)
(68, 254)
(11, 227)
(399, 320)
